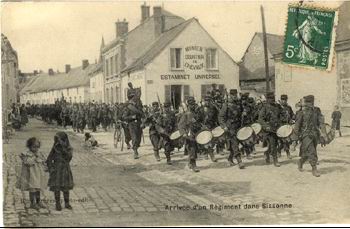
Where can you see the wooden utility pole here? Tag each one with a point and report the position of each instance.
(267, 75)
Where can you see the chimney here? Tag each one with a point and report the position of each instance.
(67, 68)
(122, 28)
(159, 22)
(144, 12)
(85, 63)
(51, 72)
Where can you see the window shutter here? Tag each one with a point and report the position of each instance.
(186, 92)
(167, 91)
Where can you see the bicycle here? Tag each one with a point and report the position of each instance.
(119, 135)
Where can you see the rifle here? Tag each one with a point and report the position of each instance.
(160, 105)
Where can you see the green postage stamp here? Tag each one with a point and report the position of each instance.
(310, 36)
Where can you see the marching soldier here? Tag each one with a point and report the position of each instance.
(210, 121)
(269, 119)
(287, 115)
(167, 123)
(247, 117)
(132, 115)
(230, 121)
(104, 116)
(189, 125)
(93, 116)
(307, 127)
(81, 119)
(154, 135)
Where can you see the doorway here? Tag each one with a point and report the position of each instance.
(176, 95)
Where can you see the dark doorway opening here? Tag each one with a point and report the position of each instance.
(176, 94)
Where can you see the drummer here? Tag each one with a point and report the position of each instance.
(210, 121)
(230, 121)
(286, 118)
(269, 119)
(167, 122)
(190, 124)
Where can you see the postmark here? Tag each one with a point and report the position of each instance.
(310, 36)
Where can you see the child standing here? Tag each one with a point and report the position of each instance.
(33, 177)
(336, 116)
(61, 178)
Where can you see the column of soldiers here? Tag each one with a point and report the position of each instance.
(228, 110)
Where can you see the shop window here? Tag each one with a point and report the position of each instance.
(176, 58)
(211, 59)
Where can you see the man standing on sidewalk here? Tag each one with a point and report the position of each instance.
(132, 114)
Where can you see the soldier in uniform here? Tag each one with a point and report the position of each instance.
(132, 115)
(93, 116)
(74, 117)
(247, 120)
(167, 122)
(287, 115)
(81, 119)
(230, 120)
(210, 121)
(307, 127)
(269, 119)
(189, 125)
(104, 116)
(154, 135)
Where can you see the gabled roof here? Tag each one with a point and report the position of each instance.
(76, 77)
(138, 40)
(157, 46)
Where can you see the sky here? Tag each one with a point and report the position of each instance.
(52, 34)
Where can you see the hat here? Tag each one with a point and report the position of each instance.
(245, 95)
(251, 100)
(191, 100)
(270, 95)
(309, 99)
(167, 104)
(155, 104)
(233, 92)
(284, 97)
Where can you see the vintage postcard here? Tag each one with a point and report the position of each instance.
(175, 113)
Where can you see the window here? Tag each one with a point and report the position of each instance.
(93, 84)
(112, 66)
(107, 95)
(107, 68)
(176, 58)
(211, 58)
(116, 64)
(77, 90)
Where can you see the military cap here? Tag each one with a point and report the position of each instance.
(155, 104)
(284, 97)
(167, 104)
(191, 100)
(233, 92)
(309, 99)
(250, 99)
(270, 95)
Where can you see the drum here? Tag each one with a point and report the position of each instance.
(177, 139)
(204, 137)
(285, 133)
(218, 133)
(246, 135)
(257, 128)
(329, 135)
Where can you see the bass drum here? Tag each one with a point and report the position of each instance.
(246, 135)
(257, 128)
(218, 134)
(204, 137)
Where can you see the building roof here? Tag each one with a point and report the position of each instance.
(158, 45)
(140, 39)
(76, 77)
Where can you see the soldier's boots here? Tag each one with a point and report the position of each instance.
(206, 157)
(249, 157)
(300, 165)
(192, 165)
(156, 155)
(288, 155)
(212, 157)
(315, 172)
(136, 154)
(267, 160)
(275, 162)
(128, 146)
(240, 162)
(230, 161)
(168, 158)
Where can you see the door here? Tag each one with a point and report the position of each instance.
(176, 95)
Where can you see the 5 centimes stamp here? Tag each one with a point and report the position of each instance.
(310, 36)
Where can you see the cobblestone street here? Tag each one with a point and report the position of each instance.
(113, 189)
